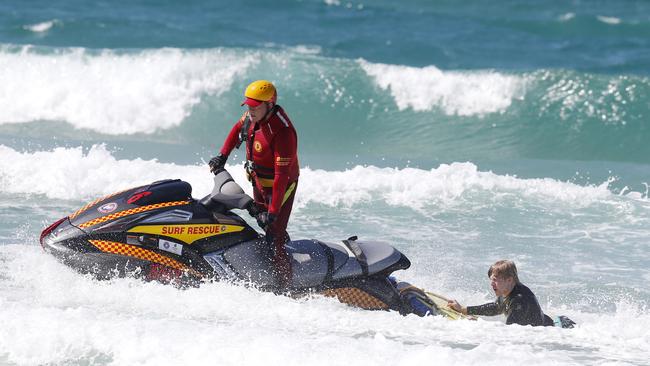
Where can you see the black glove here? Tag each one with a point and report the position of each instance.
(217, 163)
(265, 220)
(253, 210)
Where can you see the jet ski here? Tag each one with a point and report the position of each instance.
(158, 232)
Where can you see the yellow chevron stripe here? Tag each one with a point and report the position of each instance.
(79, 211)
(140, 253)
(132, 211)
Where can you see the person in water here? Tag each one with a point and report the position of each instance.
(514, 299)
(271, 166)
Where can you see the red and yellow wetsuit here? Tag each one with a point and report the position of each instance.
(272, 155)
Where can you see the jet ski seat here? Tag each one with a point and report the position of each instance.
(314, 262)
(226, 195)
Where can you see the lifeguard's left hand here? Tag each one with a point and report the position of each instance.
(217, 163)
(265, 220)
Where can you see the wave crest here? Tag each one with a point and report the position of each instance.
(454, 92)
(112, 92)
(72, 173)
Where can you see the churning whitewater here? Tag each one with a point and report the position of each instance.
(460, 135)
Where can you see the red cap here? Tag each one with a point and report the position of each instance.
(251, 102)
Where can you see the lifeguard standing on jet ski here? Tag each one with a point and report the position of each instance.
(271, 165)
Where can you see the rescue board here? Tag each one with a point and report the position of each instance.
(443, 309)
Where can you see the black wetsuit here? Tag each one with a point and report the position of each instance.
(520, 307)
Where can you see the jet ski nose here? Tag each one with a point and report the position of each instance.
(49, 230)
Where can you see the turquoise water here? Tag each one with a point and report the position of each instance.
(460, 133)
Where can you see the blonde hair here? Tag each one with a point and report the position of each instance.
(504, 269)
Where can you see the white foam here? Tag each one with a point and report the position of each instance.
(43, 26)
(307, 49)
(454, 92)
(112, 92)
(51, 314)
(71, 173)
(609, 20)
(566, 17)
(447, 185)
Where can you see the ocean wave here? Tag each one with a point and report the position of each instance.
(577, 97)
(417, 113)
(455, 92)
(75, 173)
(112, 92)
(448, 185)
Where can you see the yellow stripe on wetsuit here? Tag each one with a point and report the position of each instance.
(288, 193)
(268, 183)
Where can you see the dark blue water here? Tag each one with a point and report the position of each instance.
(609, 37)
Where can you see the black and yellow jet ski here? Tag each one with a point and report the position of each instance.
(159, 232)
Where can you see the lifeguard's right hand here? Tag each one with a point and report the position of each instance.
(217, 163)
(265, 220)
